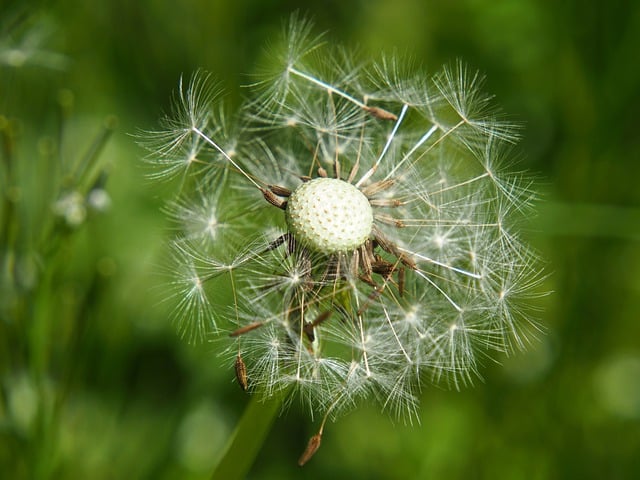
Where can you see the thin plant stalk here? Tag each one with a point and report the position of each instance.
(248, 438)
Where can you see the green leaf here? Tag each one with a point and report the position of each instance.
(247, 439)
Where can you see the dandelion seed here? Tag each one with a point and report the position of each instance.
(312, 448)
(241, 373)
(384, 254)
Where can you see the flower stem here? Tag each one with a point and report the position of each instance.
(247, 439)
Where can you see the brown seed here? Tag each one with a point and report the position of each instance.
(381, 113)
(377, 187)
(366, 278)
(280, 191)
(408, 261)
(241, 373)
(312, 448)
(276, 243)
(367, 258)
(382, 267)
(245, 329)
(391, 248)
(308, 328)
(273, 199)
(385, 202)
(309, 332)
(321, 318)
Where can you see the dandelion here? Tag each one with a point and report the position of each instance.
(384, 252)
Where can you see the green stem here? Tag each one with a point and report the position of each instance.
(247, 439)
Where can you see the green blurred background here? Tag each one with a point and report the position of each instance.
(96, 384)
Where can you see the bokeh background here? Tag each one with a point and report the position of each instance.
(96, 384)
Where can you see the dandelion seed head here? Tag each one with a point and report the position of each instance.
(376, 216)
(329, 215)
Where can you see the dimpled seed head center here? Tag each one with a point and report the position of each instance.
(329, 215)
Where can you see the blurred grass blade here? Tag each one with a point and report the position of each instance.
(247, 439)
(87, 162)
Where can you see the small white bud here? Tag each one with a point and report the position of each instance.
(99, 200)
(71, 207)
